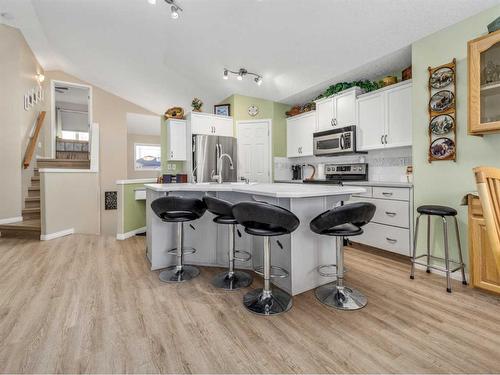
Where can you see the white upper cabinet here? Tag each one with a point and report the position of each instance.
(299, 134)
(384, 118)
(399, 116)
(176, 140)
(208, 124)
(371, 122)
(337, 111)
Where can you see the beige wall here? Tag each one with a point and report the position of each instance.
(18, 70)
(69, 201)
(139, 138)
(109, 111)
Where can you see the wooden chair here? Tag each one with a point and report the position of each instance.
(488, 186)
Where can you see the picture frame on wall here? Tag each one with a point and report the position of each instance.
(222, 109)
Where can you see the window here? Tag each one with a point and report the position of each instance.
(75, 136)
(147, 157)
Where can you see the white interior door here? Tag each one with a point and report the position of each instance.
(254, 156)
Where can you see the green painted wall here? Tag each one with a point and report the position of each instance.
(179, 166)
(446, 182)
(267, 110)
(134, 212)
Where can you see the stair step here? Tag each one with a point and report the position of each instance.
(29, 226)
(28, 214)
(63, 163)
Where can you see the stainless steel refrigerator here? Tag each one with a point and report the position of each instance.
(207, 150)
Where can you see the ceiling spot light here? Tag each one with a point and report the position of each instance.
(174, 9)
(242, 72)
(40, 77)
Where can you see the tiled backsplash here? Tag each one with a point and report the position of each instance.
(383, 165)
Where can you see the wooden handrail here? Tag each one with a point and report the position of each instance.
(30, 149)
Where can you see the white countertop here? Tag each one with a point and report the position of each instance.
(136, 181)
(270, 190)
(358, 183)
(380, 183)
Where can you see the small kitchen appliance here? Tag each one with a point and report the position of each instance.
(335, 142)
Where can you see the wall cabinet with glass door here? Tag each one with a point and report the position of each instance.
(484, 84)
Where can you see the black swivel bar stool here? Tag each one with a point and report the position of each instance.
(443, 212)
(340, 222)
(179, 210)
(231, 279)
(266, 220)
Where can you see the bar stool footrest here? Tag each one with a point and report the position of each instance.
(458, 266)
(185, 251)
(279, 272)
(245, 258)
(322, 270)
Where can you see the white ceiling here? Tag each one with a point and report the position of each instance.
(73, 95)
(138, 52)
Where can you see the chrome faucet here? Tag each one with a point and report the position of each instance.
(218, 176)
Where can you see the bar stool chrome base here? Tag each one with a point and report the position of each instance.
(173, 275)
(238, 280)
(345, 299)
(274, 303)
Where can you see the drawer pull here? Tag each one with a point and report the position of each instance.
(387, 194)
(391, 240)
(391, 214)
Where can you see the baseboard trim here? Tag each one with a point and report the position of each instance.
(132, 233)
(62, 233)
(11, 220)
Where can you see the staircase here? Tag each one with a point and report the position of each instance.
(63, 163)
(30, 226)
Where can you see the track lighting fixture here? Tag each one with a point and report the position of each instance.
(242, 73)
(174, 9)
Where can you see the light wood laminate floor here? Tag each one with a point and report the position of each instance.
(90, 304)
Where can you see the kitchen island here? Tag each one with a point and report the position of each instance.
(300, 252)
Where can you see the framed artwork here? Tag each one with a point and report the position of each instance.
(442, 115)
(222, 109)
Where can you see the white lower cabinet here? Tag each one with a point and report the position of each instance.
(391, 228)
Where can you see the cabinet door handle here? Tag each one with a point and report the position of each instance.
(391, 240)
(387, 194)
(385, 139)
(332, 122)
(382, 139)
(391, 214)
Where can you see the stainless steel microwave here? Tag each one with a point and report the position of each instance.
(335, 141)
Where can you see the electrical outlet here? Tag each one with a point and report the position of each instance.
(174, 167)
(169, 167)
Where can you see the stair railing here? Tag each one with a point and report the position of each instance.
(35, 132)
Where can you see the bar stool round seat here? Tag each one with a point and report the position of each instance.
(436, 210)
(230, 279)
(179, 210)
(340, 222)
(266, 220)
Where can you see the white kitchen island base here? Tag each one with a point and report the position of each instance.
(300, 252)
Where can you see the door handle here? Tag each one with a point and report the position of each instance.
(391, 240)
(391, 214)
(342, 142)
(385, 139)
